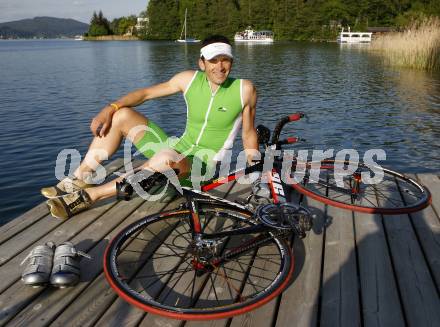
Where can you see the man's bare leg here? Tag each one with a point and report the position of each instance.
(122, 122)
(72, 203)
(162, 161)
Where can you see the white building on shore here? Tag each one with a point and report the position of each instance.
(142, 23)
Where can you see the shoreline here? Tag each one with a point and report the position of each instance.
(111, 38)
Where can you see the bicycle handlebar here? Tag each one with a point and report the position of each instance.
(291, 140)
(283, 121)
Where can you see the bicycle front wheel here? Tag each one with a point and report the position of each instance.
(394, 193)
(150, 264)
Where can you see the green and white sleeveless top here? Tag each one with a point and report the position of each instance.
(213, 118)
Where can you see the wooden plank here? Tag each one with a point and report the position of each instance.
(231, 191)
(27, 236)
(64, 230)
(98, 296)
(427, 226)
(380, 298)
(15, 226)
(19, 296)
(432, 182)
(340, 298)
(227, 286)
(417, 289)
(11, 271)
(67, 228)
(299, 303)
(265, 315)
(121, 313)
(53, 303)
(35, 214)
(13, 247)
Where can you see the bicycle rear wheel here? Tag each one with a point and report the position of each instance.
(149, 264)
(394, 194)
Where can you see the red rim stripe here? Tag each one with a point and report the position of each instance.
(352, 207)
(183, 316)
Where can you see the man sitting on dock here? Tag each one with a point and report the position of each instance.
(217, 106)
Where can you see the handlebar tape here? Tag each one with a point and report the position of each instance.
(282, 122)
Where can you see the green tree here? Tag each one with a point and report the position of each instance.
(99, 25)
(289, 19)
(122, 25)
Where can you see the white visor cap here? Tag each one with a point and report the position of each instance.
(215, 49)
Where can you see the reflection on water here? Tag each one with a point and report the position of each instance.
(50, 90)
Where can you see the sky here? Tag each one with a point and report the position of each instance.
(81, 10)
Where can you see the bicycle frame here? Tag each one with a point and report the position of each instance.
(277, 188)
(212, 233)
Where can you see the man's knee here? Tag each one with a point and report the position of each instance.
(121, 116)
(125, 119)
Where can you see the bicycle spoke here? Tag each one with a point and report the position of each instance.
(229, 284)
(164, 273)
(372, 204)
(387, 198)
(193, 287)
(239, 280)
(387, 190)
(177, 280)
(265, 259)
(213, 288)
(160, 273)
(163, 242)
(179, 233)
(254, 267)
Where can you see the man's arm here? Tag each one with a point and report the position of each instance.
(177, 83)
(249, 133)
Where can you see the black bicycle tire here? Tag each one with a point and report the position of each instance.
(423, 202)
(111, 272)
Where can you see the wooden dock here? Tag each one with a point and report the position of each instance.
(351, 270)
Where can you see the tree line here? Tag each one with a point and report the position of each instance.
(288, 19)
(100, 25)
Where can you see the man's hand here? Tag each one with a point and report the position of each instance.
(102, 122)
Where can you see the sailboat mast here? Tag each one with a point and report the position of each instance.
(186, 10)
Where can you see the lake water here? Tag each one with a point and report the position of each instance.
(51, 89)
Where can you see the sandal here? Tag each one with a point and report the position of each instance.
(37, 271)
(66, 269)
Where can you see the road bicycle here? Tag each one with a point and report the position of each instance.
(212, 258)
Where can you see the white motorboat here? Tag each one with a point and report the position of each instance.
(249, 35)
(354, 37)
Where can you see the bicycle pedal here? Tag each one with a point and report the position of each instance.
(124, 190)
